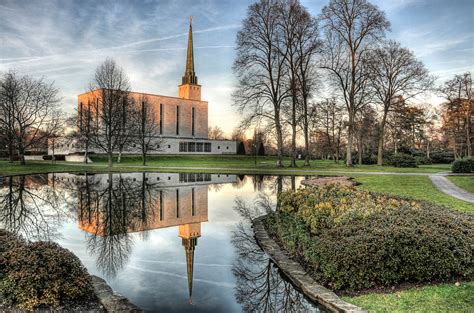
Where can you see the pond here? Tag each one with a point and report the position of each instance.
(170, 242)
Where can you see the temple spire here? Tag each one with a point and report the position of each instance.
(189, 75)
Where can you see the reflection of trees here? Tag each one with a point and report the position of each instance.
(31, 208)
(259, 286)
(109, 211)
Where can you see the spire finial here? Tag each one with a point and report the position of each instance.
(191, 20)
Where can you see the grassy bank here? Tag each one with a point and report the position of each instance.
(436, 298)
(465, 182)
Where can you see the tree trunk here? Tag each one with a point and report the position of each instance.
(109, 159)
(279, 135)
(144, 158)
(468, 131)
(119, 156)
(360, 148)
(86, 152)
(21, 153)
(350, 138)
(10, 152)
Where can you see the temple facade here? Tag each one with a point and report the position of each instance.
(183, 120)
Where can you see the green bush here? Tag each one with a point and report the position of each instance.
(423, 160)
(463, 166)
(402, 160)
(41, 273)
(351, 239)
(442, 157)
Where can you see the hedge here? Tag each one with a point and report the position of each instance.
(402, 160)
(352, 240)
(463, 166)
(40, 273)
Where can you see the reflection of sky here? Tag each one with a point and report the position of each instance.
(155, 277)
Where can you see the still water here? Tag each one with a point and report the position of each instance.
(170, 242)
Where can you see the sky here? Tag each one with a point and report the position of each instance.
(64, 41)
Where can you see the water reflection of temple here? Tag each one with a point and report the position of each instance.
(115, 204)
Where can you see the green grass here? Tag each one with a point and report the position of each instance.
(419, 187)
(464, 182)
(232, 164)
(266, 162)
(440, 298)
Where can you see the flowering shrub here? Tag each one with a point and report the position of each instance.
(352, 239)
(40, 273)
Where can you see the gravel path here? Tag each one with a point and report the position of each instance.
(446, 186)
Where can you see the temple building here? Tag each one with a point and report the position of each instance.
(183, 120)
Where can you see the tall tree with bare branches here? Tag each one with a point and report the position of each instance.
(110, 107)
(149, 129)
(394, 72)
(29, 112)
(459, 116)
(300, 41)
(260, 68)
(351, 27)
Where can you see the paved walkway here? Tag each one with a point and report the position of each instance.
(446, 186)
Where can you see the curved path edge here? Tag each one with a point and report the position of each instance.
(297, 275)
(449, 188)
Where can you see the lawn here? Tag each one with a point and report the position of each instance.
(465, 182)
(440, 298)
(419, 187)
(227, 163)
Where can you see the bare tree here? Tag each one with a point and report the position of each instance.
(351, 28)
(216, 133)
(110, 106)
(331, 121)
(29, 112)
(300, 35)
(149, 129)
(395, 71)
(458, 113)
(260, 68)
(9, 95)
(84, 128)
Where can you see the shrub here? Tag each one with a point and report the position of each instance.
(402, 160)
(351, 239)
(367, 158)
(423, 160)
(442, 157)
(41, 273)
(463, 166)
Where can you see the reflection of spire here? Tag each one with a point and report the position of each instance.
(189, 247)
(189, 234)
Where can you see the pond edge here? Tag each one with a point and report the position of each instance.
(297, 275)
(110, 300)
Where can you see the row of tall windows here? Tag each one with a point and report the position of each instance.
(185, 146)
